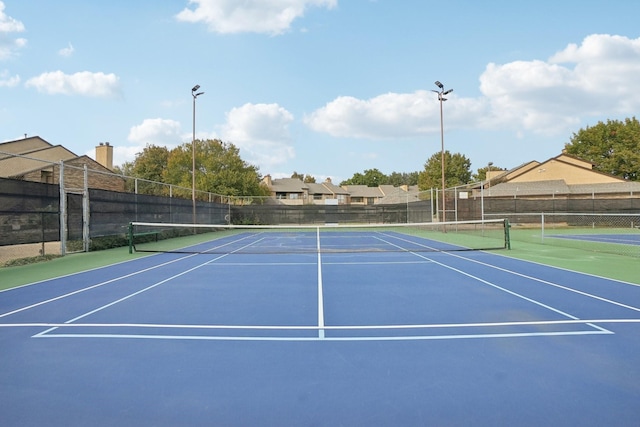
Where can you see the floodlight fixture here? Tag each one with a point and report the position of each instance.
(195, 88)
(440, 85)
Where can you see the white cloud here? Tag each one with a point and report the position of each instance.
(8, 25)
(160, 132)
(261, 131)
(388, 116)
(384, 116)
(66, 51)
(595, 79)
(8, 81)
(258, 16)
(83, 83)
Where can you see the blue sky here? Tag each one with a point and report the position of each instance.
(321, 87)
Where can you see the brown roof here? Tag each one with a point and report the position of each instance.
(334, 189)
(363, 191)
(288, 185)
(559, 187)
(528, 188)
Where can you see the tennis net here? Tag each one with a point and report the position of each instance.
(409, 237)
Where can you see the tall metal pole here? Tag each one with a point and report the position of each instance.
(193, 151)
(193, 162)
(441, 98)
(444, 206)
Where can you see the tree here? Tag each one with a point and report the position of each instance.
(613, 147)
(356, 179)
(397, 178)
(481, 175)
(148, 165)
(219, 169)
(457, 171)
(304, 178)
(370, 178)
(374, 178)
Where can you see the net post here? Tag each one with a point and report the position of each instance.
(507, 236)
(130, 236)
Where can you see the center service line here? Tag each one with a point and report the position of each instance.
(320, 297)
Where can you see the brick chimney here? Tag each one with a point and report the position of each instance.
(104, 155)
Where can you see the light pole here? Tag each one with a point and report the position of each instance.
(193, 151)
(441, 93)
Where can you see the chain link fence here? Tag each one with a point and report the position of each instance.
(80, 209)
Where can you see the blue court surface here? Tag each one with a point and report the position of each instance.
(621, 239)
(345, 338)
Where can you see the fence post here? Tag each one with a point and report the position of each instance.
(85, 211)
(63, 211)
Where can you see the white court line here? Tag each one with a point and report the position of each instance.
(320, 291)
(123, 299)
(267, 264)
(324, 327)
(486, 282)
(546, 282)
(147, 288)
(97, 285)
(370, 338)
(337, 328)
(557, 285)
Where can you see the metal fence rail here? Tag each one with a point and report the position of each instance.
(76, 212)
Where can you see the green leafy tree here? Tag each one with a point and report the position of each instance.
(304, 178)
(219, 169)
(370, 178)
(481, 175)
(613, 147)
(150, 165)
(356, 179)
(403, 178)
(457, 171)
(126, 170)
(374, 178)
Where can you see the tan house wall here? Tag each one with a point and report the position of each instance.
(24, 145)
(74, 176)
(569, 172)
(575, 161)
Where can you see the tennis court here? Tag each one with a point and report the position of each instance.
(322, 326)
(620, 239)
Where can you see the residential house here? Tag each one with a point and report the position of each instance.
(34, 159)
(556, 177)
(293, 191)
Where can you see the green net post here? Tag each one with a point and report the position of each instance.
(130, 235)
(507, 236)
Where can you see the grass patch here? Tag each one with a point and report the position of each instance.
(30, 260)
